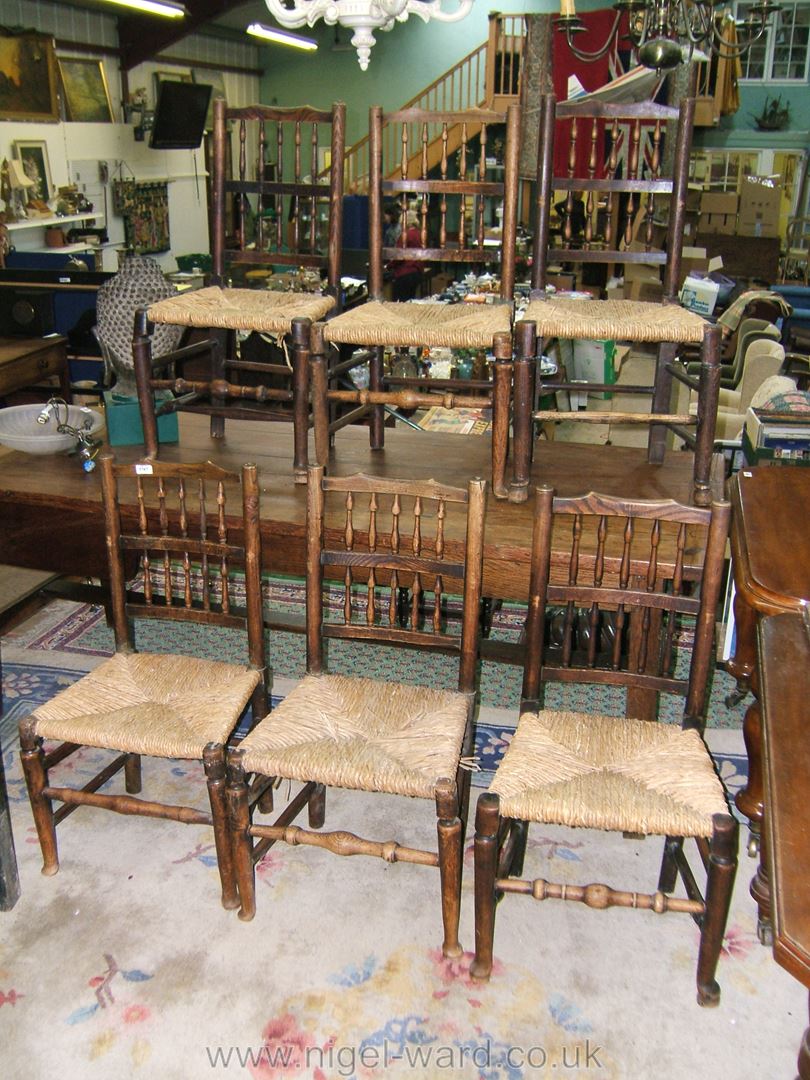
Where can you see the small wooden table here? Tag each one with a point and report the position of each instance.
(27, 361)
(784, 661)
(770, 549)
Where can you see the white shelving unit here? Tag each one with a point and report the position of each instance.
(49, 223)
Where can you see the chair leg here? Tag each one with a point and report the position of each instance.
(376, 422)
(132, 774)
(486, 868)
(520, 830)
(668, 876)
(719, 886)
(214, 764)
(450, 864)
(36, 778)
(317, 807)
(241, 843)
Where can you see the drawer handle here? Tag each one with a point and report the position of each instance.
(43, 363)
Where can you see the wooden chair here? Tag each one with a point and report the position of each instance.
(413, 155)
(360, 733)
(164, 705)
(274, 212)
(628, 567)
(621, 159)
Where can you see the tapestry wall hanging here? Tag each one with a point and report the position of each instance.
(145, 210)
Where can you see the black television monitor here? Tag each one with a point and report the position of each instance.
(180, 115)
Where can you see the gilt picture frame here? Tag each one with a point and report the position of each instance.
(87, 98)
(28, 78)
(33, 156)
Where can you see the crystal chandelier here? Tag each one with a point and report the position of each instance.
(362, 16)
(666, 33)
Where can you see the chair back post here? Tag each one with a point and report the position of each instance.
(524, 378)
(217, 225)
(501, 394)
(115, 558)
(543, 192)
(319, 390)
(677, 215)
(336, 172)
(510, 200)
(375, 208)
(538, 587)
(300, 334)
(314, 589)
(710, 585)
(708, 397)
(253, 566)
(473, 580)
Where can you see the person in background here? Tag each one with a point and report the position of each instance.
(391, 225)
(407, 276)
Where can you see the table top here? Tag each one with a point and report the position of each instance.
(14, 348)
(784, 656)
(36, 493)
(771, 535)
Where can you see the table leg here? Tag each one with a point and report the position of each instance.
(9, 878)
(750, 800)
(760, 890)
(742, 664)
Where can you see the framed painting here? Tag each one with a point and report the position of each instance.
(85, 86)
(171, 75)
(216, 80)
(27, 78)
(33, 156)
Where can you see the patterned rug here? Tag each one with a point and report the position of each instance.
(125, 965)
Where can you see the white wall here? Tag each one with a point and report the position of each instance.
(74, 149)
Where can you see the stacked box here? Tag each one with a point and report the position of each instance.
(760, 202)
(718, 212)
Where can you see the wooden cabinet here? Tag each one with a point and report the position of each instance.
(28, 361)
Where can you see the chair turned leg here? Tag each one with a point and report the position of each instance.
(214, 764)
(33, 763)
(132, 774)
(486, 866)
(719, 886)
(241, 843)
(450, 864)
(316, 808)
(520, 831)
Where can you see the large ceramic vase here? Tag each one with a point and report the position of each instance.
(139, 283)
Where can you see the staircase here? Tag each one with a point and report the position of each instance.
(488, 77)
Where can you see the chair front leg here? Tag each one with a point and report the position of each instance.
(132, 774)
(316, 807)
(36, 779)
(719, 886)
(241, 844)
(214, 765)
(486, 866)
(450, 864)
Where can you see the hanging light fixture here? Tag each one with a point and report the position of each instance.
(665, 33)
(169, 9)
(363, 16)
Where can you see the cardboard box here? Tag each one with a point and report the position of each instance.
(760, 202)
(561, 282)
(593, 362)
(719, 202)
(719, 223)
(123, 418)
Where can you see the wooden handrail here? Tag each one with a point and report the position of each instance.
(476, 81)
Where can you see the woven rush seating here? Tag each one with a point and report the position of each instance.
(363, 734)
(161, 705)
(455, 326)
(262, 310)
(630, 320)
(378, 538)
(630, 773)
(599, 772)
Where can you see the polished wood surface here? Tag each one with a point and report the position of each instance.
(27, 361)
(770, 547)
(50, 511)
(784, 660)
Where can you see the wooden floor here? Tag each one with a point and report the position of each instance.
(50, 511)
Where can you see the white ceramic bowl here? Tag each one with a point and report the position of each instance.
(19, 429)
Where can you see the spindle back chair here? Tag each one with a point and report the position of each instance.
(198, 562)
(642, 577)
(383, 539)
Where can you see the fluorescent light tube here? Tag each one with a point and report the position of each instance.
(281, 37)
(167, 8)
